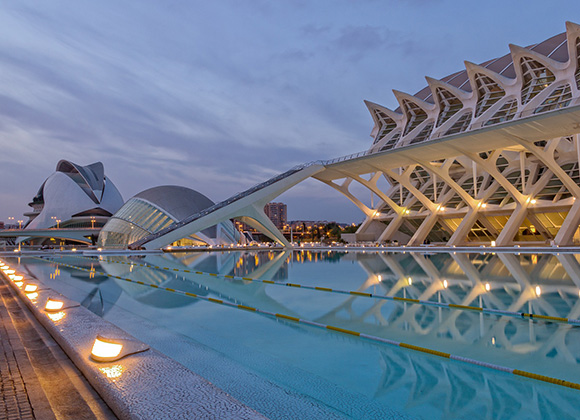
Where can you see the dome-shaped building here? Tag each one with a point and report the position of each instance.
(74, 196)
(155, 209)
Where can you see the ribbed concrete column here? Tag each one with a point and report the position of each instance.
(424, 229)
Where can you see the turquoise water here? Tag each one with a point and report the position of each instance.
(287, 370)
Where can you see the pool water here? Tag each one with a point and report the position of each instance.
(288, 370)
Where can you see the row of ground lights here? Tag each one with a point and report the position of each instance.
(104, 349)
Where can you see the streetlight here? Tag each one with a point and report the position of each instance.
(58, 223)
(20, 224)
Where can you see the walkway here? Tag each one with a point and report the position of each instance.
(37, 380)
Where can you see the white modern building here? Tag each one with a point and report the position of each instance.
(468, 170)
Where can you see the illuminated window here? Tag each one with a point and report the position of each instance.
(390, 143)
(423, 134)
(449, 105)
(559, 98)
(488, 93)
(386, 125)
(505, 113)
(461, 124)
(536, 78)
(415, 116)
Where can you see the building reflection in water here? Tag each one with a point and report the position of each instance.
(543, 284)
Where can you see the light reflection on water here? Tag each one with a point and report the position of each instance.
(344, 375)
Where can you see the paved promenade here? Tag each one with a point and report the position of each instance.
(37, 380)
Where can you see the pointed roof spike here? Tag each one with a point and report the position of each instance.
(572, 32)
(459, 93)
(426, 106)
(518, 52)
(394, 115)
(572, 27)
(473, 69)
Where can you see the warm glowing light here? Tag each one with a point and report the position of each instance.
(74, 250)
(53, 305)
(379, 278)
(113, 372)
(55, 317)
(493, 340)
(533, 201)
(105, 349)
(492, 243)
(445, 284)
(410, 281)
(29, 288)
(32, 296)
(99, 249)
(407, 211)
(16, 250)
(538, 291)
(487, 287)
(484, 205)
(19, 283)
(9, 271)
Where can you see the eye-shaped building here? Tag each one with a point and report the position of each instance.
(74, 196)
(157, 208)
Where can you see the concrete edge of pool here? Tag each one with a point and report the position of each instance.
(147, 384)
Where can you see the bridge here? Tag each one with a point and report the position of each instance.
(81, 235)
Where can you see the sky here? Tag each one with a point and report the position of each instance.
(220, 95)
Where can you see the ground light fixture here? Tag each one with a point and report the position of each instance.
(105, 350)
(538, 291)
(19, 284)
(32, 296)
(30, 288)
(14, 277)
(487, 287)
(53, 305)
(110, 350)
(445, 284)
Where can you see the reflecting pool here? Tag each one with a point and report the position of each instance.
(289, 370)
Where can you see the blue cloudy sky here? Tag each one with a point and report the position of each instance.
(220, 95)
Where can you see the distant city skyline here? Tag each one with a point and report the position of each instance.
(220, 96)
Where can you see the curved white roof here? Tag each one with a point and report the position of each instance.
(536, 79)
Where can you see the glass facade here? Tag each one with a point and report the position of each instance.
(135, 220)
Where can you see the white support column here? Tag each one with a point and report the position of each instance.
(434, 176)
(474, 170)
(424, 229)
(400, 188)
(523, 171)
(464, 228)
(392, 228)
(566, 232)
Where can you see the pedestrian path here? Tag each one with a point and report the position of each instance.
(37, 380)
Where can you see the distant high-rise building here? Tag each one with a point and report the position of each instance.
(277, 213)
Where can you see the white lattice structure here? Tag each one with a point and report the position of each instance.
(490, 153)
